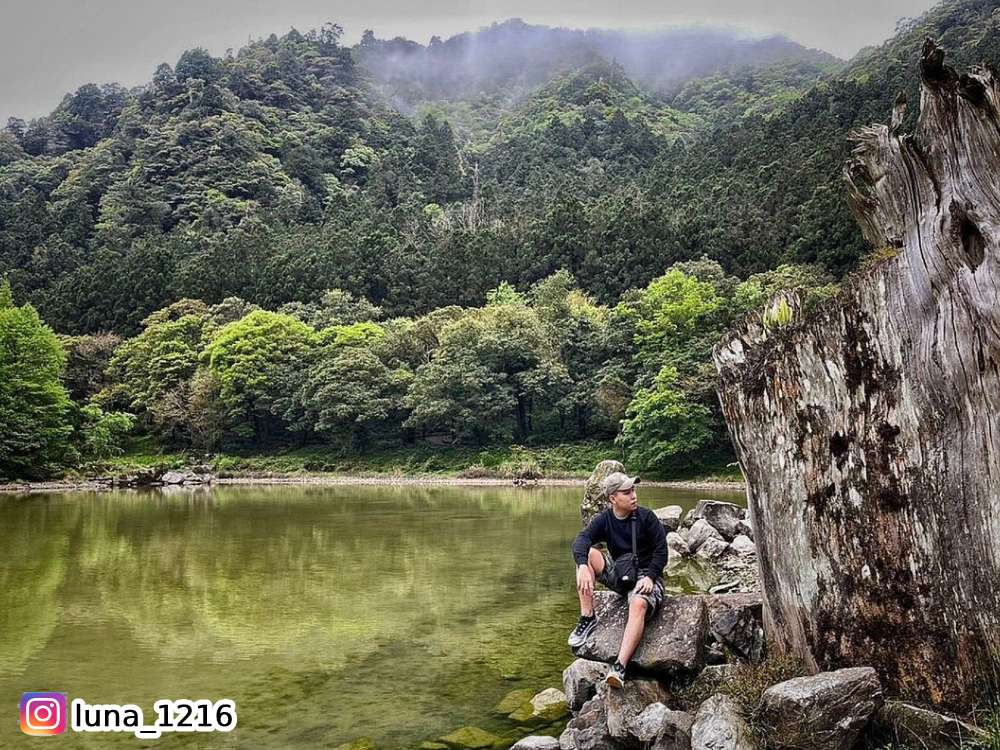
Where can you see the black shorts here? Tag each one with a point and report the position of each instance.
(607, 578)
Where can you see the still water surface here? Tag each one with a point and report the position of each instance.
(327, 613)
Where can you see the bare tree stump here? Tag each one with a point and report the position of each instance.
(869, 431)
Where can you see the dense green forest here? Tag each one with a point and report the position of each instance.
(302, 242)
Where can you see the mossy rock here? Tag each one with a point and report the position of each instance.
(513, 701)
(524, 715)
(362, 743)
(545, 707)
(470, 738)
(433, 746)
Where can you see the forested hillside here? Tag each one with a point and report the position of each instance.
(523, 234)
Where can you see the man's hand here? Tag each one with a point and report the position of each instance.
(584, 579)
(644, 586)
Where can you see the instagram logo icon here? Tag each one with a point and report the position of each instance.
(43, 713)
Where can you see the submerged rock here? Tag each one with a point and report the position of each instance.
(470, 738)
(674, 640)
(826, 711)
(580, 681)
(718, 725)
(362, 743)
(514, 700)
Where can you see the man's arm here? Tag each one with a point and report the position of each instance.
(659, 557)
(596, 531)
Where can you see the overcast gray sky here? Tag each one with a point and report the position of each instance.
(50, 47)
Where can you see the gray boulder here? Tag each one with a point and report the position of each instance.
(743, 545)
(910, 725)
(646, 725)
(826, 711)
(723, 517)
(536, 742)
(624, 705)
(594, 499)
(589, 729)
(699, 532)
(712, 549)
(580, 681)
(660, 728)
(718, 725)
(674, 640)
(175, 477)
(670, 517)
(737, 622)
(677, 548)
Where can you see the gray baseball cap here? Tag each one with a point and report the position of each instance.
(617, 481)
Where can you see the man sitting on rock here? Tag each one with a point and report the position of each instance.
(643, 588)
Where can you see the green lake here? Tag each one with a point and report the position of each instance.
(327, 613)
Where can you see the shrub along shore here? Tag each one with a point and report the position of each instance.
(568, 463)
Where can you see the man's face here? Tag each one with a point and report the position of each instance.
(624, 501)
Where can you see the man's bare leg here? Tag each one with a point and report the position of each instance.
(634, 629)
(595, 561)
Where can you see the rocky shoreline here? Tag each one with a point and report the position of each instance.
(199, 477)
(702, 678)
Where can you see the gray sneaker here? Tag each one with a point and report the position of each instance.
(616, 676)
(584, 627)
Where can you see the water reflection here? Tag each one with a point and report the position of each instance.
(327, 613)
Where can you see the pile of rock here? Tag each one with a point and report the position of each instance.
(696, 649)
(715, 534)
(826, 711)
(160, 477)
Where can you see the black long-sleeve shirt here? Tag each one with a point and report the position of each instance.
(650, 539)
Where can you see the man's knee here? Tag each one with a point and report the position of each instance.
(638, 606)
(596, 560)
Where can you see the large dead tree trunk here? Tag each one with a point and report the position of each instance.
(869, 430)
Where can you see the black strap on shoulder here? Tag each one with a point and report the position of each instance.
(634, 520)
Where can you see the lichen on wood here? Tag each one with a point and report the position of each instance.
(869, 431)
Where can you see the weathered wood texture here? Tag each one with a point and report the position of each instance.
(869, 430)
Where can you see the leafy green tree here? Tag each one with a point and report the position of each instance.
(87, 363)
(349, 391)
(258, 361)
(34, 405)
(663, 421)
(102, 434)
(153, 371)
(579, 333)
(673, 316)
(492, 374)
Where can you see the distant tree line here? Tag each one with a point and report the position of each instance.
(545, 366)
